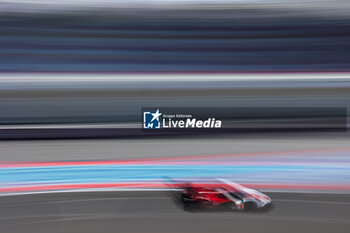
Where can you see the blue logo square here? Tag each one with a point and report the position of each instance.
(152, 120)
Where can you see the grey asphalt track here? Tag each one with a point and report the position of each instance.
(113, 149)
(128, 212)
(108, 212)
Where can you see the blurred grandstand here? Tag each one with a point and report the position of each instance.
(174, 36)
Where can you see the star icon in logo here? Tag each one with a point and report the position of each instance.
(156, 115)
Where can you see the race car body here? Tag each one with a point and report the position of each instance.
(227, 195)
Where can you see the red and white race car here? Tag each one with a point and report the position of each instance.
(226, 195)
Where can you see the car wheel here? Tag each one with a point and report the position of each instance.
(251, 206)
(189, 206)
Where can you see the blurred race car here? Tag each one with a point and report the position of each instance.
(227, 195)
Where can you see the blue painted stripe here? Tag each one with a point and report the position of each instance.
(124, 173)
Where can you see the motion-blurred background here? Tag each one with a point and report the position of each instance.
(79, 73)
(174, 36)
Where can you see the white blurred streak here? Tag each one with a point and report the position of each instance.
(169, 77)
(339, 6)
(160, 81)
